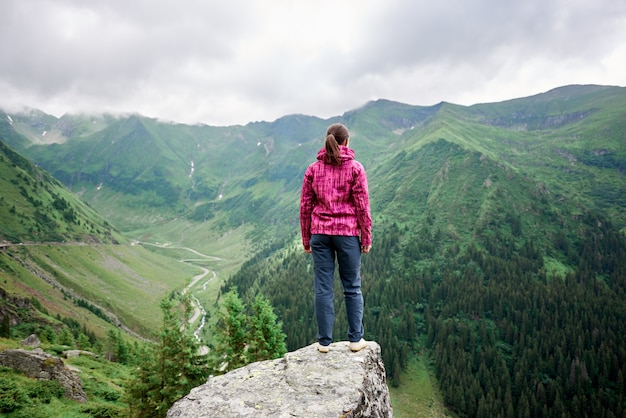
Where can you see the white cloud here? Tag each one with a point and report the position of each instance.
(246, 60)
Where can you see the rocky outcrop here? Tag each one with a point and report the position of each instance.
(16, 309)
(304, 383)
(31, 341)
(40, 365)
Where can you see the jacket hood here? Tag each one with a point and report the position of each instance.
(347, 154)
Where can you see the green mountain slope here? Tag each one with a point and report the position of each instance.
(572, 140)
(100, 287)
(60, 253)
(136, 168)
(494, 244)
(36, 207)
(499, 254)
(137, 171)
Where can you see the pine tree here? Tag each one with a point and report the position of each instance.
(47, 334)
(83, 342)
(66, 337)
(169, 369)
(230, 334)
(267, 340)
(117, 349)
(5, 327)
(243, 338)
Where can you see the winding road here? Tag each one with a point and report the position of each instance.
(199, 311)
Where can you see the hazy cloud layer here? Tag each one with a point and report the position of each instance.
(247, 60)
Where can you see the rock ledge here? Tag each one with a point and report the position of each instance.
(304, 383)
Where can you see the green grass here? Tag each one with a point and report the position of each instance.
(417, 396)
(102, 381)
(555, 268)
(127, 280)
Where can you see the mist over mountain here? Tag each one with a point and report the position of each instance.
(203, 171)
(499, 229)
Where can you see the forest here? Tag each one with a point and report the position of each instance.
(505, 337)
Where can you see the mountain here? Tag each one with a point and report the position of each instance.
(148, 167)
(36, 207)
(62, 262)
(499, 253)
(499, 249)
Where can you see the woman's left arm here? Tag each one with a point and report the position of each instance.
(360, 195)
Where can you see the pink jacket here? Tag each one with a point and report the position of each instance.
(335, 200)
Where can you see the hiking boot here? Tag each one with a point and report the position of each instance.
(358, 346)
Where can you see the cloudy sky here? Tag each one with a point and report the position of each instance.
(238, 61)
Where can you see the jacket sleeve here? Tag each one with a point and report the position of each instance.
(361, 198)
(307, 201)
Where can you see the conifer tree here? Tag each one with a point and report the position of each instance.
(169, 369)
(230, 334)
(47, 334)
(66, 337)
(5, 327)
(243, 338)
(117, 349)
(82, 342)
(267, 338)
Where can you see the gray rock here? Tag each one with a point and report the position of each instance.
(304, 383)
(40, 365)
(76, 353)
(31, 341)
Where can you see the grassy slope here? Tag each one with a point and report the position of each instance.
(571, 140)
(127, 281)
(417, 396)
(581, 160)
(36, 207)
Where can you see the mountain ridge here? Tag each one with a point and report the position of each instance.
(491, 222)
(213, 174)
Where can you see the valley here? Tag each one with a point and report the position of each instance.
(196, 286)
(496, 281)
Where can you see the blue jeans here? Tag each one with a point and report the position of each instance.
(347, 251)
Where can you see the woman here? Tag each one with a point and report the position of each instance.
(336, 223)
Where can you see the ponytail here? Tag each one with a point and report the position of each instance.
(333, 153)
(337, 134)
